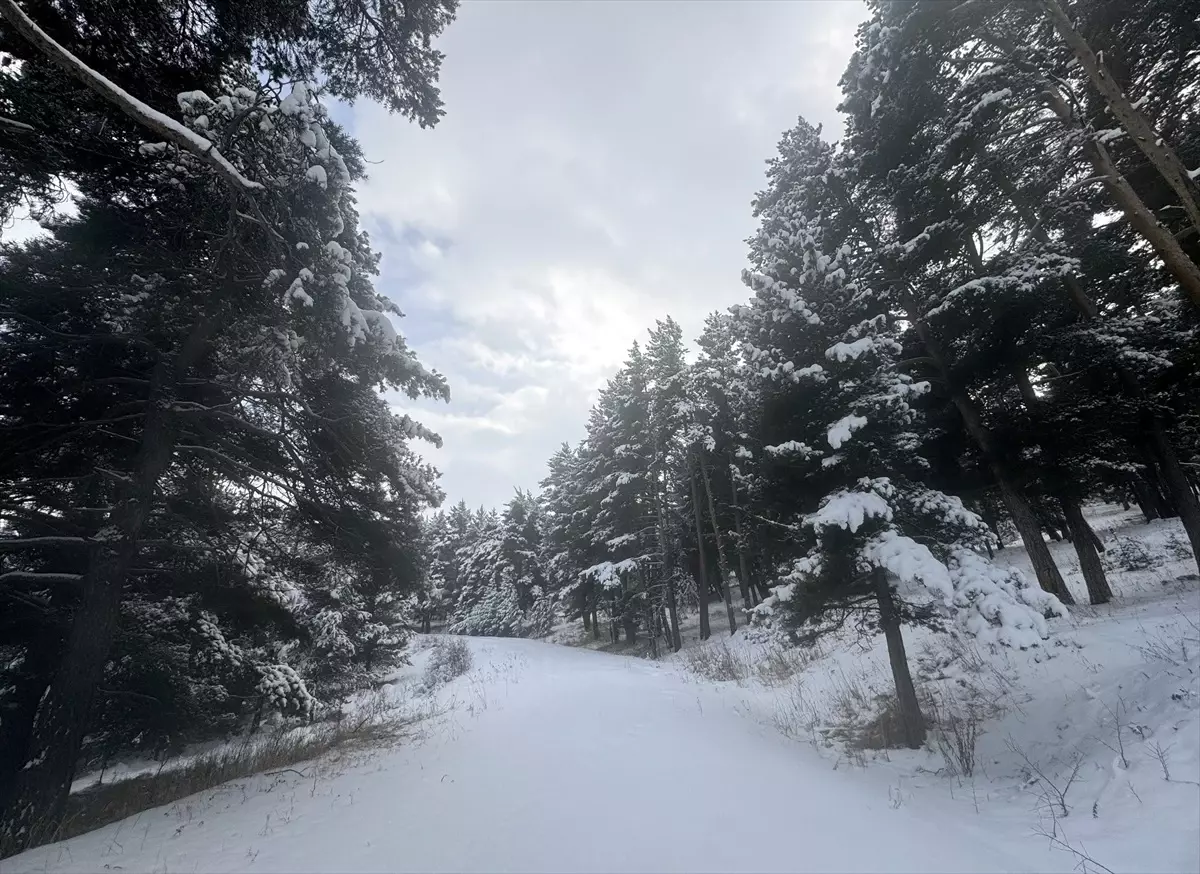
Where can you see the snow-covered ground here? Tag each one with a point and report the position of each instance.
(556, 759)
(550, 758)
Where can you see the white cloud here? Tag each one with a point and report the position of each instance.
(594, 172)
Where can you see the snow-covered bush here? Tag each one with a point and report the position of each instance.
(449, 659)
(284, 691)
(1131, 554)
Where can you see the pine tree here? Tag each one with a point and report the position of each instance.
(845, 435)
(248, 344)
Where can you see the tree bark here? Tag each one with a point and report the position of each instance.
(702, 583)
(722, 567)
(1140, 217)
(1099, 591)
(913, 722)
(673, 612)
(1031, 535)
(39, 795)
(1131, 119)
(629, 622)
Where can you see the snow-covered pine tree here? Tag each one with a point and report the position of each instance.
(619, 484)
(846, 435)
(726, 395)
(254, 346)
(567, 547)
(973, 84)
(502, 581)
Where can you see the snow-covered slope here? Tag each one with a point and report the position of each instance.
(556, 759)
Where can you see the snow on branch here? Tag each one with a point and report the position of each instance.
(910, 562)
(843, 352)
(14, 126)
(840, 431)
(38, 577)
(849, 510)
(15, 543)
(143, 114)
(999, 605)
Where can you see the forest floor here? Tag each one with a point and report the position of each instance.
(1083, 755)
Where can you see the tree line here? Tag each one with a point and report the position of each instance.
(969, 316)
(207, 510)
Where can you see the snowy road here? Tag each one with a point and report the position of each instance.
(555, 759)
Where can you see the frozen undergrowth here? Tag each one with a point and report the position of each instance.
(1090, 743)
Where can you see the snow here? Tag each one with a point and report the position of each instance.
(316, 173)
(551, 759)
(791, 447)
(910, 562)
(849, 510)
(843, 352)
(840, 431)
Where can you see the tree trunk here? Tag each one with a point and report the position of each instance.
(1139, 130)
(702, 582)
(587, 625)
(1081, 535)
(722, 567)
(595, 623)
(1031, 535)
(1140, 217)
(1089, 559)
(1178, 485)
(748, 599)
(913, 722)
(1018, 505)
(673, 613)
(1151, 483)
(1159, 445)
(16, 725)
(1144, 501)
(629, 622)
(40, 792)
(668, 565)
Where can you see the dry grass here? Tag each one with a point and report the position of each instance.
(714, 660)
(450, 658)
(955, 734)
(773, 665)
(379, 720)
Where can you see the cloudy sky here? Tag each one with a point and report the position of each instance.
(593, 173)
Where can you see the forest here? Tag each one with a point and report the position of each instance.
(974, 313)
(965, 317)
